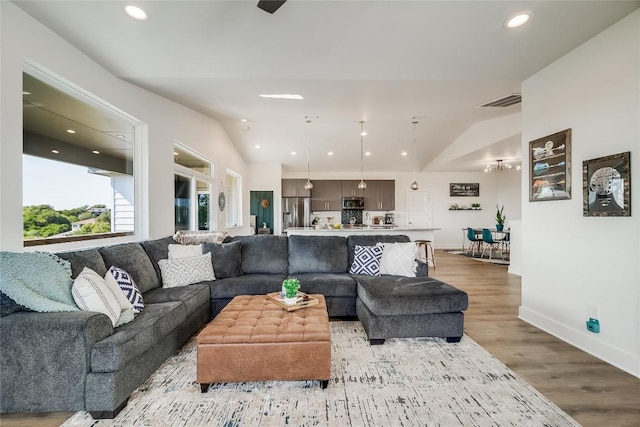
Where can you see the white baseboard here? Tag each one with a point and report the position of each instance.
(612, 355)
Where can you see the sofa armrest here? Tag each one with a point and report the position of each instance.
(423, 269)
(45, 358)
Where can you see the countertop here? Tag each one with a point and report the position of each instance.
(370, 229)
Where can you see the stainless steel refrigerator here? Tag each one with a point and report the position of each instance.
(295, 212)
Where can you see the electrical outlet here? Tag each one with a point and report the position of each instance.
(593, 325)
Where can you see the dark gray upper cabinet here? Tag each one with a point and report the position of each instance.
(294, 188)
(380, 195)
(326, 195)
(350, 189)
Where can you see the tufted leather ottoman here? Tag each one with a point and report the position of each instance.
(253, 339)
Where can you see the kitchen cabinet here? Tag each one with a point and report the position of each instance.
(294, 188)
(350, 189)
(380, 195)
(326, 195)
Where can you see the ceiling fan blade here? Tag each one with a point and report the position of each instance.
(270, 5)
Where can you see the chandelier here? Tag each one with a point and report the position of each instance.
(500, 166)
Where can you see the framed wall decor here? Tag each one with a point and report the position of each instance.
(606, 185)
(469, 189)
(550, 167)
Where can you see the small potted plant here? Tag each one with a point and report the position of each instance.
(290, 288)
(500, 218)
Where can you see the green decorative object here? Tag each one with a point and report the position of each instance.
(290, 287)
(500, 217)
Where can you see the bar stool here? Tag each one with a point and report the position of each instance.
(429, 257)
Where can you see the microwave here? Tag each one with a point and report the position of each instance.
(353, 203)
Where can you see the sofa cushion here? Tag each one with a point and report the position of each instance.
(394, 295)
(132, 258)
(247, 284)
(193, 296)
(366, 260)
(226, 257)
(328, 284)
(156, 250)
(399, 259)
(317, 254)
(87, 258)
(186, 271)
(263, 254)
(133, 339)
(372, 240)
(128, 287)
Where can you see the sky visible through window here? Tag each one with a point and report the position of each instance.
(62, 185)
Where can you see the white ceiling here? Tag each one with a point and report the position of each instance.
(379, 61)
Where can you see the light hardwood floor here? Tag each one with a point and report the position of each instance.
(591, 391)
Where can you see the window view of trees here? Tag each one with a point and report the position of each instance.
(40, 221)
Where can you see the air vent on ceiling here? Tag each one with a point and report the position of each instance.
(504, 101)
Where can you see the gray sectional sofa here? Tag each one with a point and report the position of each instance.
(78, 361)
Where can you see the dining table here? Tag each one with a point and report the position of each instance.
(497, 234)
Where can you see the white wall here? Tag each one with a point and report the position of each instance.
(495, 188)
(571, 262)
(22, 37)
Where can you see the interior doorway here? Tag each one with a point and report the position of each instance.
(261, 203)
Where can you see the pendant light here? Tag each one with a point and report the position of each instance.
(308, 185)
(414, 184)
(362, 185)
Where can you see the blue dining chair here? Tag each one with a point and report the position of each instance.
(476, 242)
(489, 242)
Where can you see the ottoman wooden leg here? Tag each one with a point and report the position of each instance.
(204, 387)
(376, 341)
(324, 383)
(453, 339)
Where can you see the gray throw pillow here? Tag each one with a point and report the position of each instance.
(226, 258)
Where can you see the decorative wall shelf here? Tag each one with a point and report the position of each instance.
(465, 209)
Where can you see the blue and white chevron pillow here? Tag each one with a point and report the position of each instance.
(128, 286)
(366, 260)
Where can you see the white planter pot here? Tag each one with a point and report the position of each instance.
(290, 301)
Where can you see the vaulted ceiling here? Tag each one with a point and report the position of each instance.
(383, 62)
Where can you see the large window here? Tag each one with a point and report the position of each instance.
(78, 164)
(193, 182)
(233, 195)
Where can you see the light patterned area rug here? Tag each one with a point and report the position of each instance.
(405, 382)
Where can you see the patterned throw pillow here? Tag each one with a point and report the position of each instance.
(185, 271)
(91, 293)
(366, 260)
(125, 282)
(399, 259)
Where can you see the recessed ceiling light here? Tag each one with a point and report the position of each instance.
(257, 146)
(95, 152)
(24, 92)
(404, 153)
(367, 153)
(136, 13)
(119, 136)
(175, 153)
(363, 133)
(282, 96)
(71, 131)
(243, 120)
(293, 153)
(330, 153)
(518, 19)
(518, 167)
(55, 151)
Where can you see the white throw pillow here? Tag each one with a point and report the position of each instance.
(91, 293)
(185, 271)
(184, 251)
(117, 278)
(399, 259)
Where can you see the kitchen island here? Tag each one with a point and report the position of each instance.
(412, 233)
